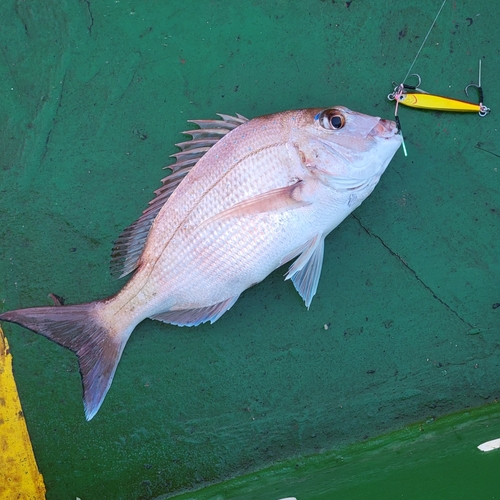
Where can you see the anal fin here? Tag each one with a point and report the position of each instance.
(194, 317)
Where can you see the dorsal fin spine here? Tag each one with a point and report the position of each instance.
(130, 244)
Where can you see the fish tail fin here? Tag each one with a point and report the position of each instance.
(79, 328)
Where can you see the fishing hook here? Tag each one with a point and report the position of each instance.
(400, 88)
(483, 110)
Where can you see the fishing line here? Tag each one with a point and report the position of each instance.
(396, 93)
(425, 39)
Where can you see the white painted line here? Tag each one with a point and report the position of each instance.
(490, 445)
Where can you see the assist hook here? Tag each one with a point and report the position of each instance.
(483, 110)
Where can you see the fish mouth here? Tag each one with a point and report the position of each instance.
(384, 128)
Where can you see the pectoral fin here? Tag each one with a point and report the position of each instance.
(306, 270)
(277, 200)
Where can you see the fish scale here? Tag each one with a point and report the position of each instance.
(244, 197)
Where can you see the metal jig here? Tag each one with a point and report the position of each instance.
(415, 97)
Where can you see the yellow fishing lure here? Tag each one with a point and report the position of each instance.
(414, 97)
(438, 103)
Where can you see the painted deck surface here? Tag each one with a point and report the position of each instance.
(94, 97)
(436, 459)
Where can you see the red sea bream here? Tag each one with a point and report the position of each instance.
(244, 197)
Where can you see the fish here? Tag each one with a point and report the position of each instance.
(243, 198)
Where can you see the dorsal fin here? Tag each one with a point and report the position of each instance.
(129, 245)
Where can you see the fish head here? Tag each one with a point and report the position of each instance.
(343, 147)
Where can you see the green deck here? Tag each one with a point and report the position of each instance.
(435, 460)
(94, 96)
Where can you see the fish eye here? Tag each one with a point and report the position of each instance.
(331, 119)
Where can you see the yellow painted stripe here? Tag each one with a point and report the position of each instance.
(437, 102)
(19, 475)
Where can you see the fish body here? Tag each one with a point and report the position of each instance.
(244, 197)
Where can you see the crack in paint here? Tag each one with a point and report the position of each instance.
(413, 272)
(91, 17)
(54, 118)
(478, 146)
